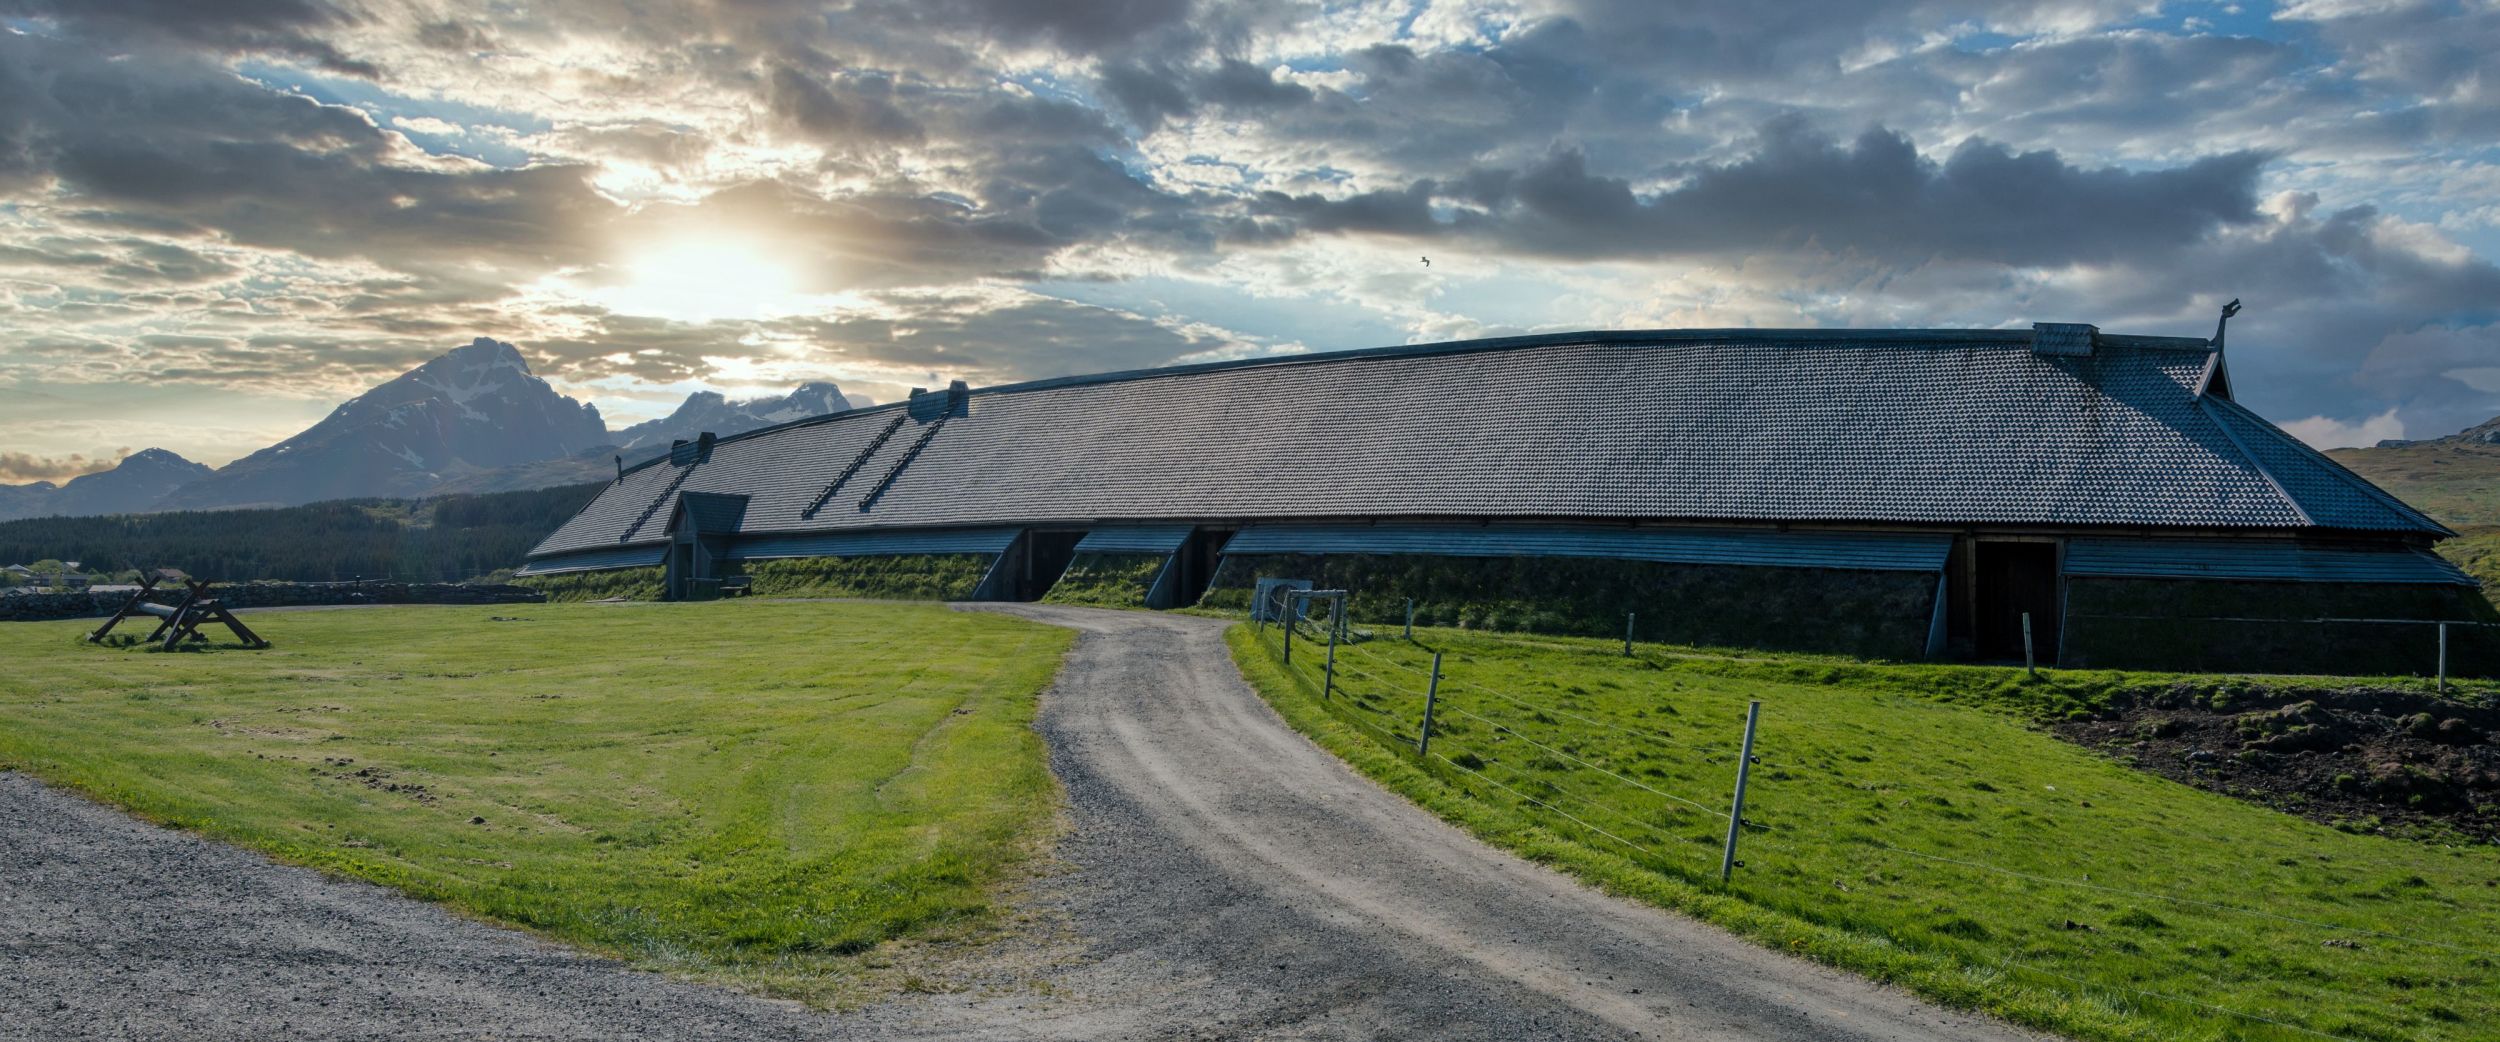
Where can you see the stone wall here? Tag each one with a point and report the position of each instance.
(71, 604)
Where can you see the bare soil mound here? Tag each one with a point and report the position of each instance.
(2357, 758)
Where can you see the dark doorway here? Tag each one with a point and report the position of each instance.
(1194, 566)
(1046, 557)
(2014, 579)
(680, 576)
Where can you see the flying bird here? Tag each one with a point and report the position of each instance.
(1427, 262)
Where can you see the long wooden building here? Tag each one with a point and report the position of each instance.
(1897, 493)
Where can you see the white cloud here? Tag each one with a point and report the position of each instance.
(2326, 432)
(429, 125)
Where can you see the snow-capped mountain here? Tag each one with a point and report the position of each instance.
(136, 483)
(473, 409)
(709, 411)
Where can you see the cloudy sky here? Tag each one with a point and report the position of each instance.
(220, 217)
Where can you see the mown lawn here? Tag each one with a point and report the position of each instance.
(751, 792)
(1912, 825)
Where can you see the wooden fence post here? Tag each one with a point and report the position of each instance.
(2030, 666)
(1328, 682)
(2443, 658)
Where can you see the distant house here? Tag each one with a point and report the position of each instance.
(1897, 493)
(17, 575)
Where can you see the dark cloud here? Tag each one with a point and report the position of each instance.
(1720, 40)
(1876, 197)
(292, 28)
(1237, 84)
(184, 142)
(2435, 65)
(118, 262)
(840, 109)
(1082, 26)
(978, 337)
(1389, 211)
(455, 35)
(993, 342)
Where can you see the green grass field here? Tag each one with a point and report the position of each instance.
(1913, 825)
(747, 792)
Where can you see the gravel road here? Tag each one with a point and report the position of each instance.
(1221, 878)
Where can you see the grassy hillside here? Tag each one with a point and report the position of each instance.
(2477, 550)
(2456, 482)
(699, 795)
(444, 539)
(1912, 823)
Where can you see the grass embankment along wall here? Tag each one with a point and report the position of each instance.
(685, 786)
(632, 584)
(1878, 614)
(2274, 627)
(926, 577)
(2477, 550)
(1913, 825)
(1108, 580)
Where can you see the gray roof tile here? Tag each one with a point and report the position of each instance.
(1914, 427)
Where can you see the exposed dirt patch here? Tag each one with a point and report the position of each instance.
(2357, 758)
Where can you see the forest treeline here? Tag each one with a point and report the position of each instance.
(440, 539)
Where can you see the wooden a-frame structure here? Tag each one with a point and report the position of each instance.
(181, 620)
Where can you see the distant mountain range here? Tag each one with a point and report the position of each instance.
(708, 411)
(138, 482)
(473, 420)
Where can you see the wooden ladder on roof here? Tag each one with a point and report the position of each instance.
(857, 462)
(927, 435)
(182, 620)
(656, 501)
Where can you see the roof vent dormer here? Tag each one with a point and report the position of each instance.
(925, 406)
(2063, 338)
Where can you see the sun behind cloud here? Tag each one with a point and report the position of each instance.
(694, 278)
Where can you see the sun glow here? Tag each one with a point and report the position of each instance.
(705, 280)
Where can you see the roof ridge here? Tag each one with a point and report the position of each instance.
(2336, 470)
(1580, 338)
(2206, 404)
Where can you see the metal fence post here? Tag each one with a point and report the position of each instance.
(1328, 682)
(1432, 694)
(2443, 658)
(1627, 630)
(1736, 813)
(2030, 666)
(1410, 618)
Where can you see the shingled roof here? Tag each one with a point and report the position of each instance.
(1914, 427)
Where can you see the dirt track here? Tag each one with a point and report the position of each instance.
(1223, 877)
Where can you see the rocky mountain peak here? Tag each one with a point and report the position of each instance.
(476, 407)
(714, 412)
(154, 457)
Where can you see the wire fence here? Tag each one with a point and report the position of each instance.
(1385, 698)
